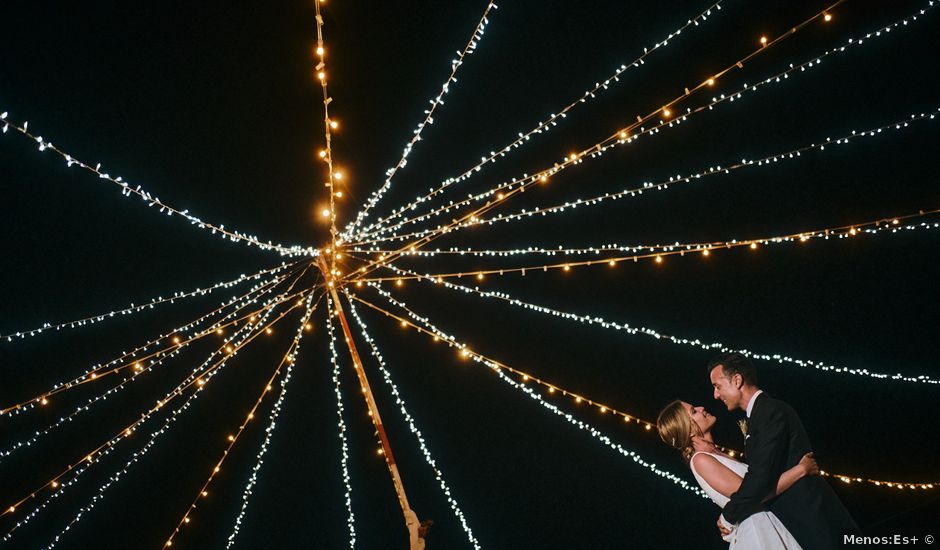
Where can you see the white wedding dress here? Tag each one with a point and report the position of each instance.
(761, 531)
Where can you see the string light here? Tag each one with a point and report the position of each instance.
(497, 367)
(288, 359)
(179, 295)
(715, 347)
(455, 64)
(657, 251)
(139, 369)
(570, 160)
(827, 145)
(430, 330)
(455, 507)
(839, 232)
(127, 190)
(327, 128)
(95, 372)
(599, 148)
(576, 158)
(544, 126)
(247, 332)
(341, 424)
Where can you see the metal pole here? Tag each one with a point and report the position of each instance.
(416, 542)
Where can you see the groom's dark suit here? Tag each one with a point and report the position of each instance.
(810, 509)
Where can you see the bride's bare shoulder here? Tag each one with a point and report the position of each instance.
(719, 477)
(703, 460)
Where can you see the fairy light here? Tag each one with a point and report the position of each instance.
(92, 373)
(716, 169)
(288, 359)
(545, 126)
(98, 371)
(131, 309)
(827, 145)
(714, 347)
(430, 330)
(341, 424)
(601, 147)
(438, 474)
(455, 64)
(245, 333)
(127, 190)
(94, 457)
(327, 127)
(871, 227)
(571, 160)
(643, 251)
(498, 369)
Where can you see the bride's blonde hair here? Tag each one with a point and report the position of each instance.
(676, 428)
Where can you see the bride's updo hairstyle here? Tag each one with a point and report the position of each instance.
(675, 428)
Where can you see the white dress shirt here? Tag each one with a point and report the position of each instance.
(750, 404)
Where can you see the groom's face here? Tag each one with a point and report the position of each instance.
(726, 390)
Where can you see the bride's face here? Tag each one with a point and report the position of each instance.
(700, 417)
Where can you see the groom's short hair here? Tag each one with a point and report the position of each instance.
(735, 363)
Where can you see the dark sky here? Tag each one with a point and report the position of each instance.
(214, 108)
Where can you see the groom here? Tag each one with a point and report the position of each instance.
(775, 440)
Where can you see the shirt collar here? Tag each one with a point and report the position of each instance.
(750, 404)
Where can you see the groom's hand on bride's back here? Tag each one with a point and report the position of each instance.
(809, 465)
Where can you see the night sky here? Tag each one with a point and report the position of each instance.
(214, 107)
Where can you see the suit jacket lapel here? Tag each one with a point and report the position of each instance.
(750, 424)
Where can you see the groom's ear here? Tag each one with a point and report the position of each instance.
(737, 380)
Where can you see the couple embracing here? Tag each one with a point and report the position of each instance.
(775, 501)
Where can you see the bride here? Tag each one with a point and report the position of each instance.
(688, 429)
